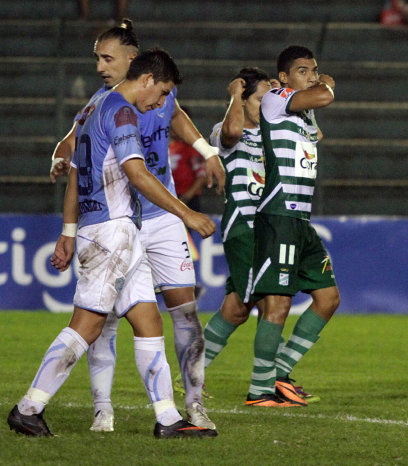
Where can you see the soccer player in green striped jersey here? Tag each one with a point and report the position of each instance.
(288, 255)
(238, 137)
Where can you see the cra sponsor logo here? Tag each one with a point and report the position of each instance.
(305, 160)
(256, 183)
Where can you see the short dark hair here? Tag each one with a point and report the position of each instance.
(124, 33)
(252, 77)
(158, 62)
(290, 54)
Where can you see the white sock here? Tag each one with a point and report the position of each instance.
(101, 363)
(55, 368)
(152, 365)
(189, 343)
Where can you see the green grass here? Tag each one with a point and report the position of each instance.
(358, 368)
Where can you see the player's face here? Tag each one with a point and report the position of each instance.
(252, 104)
(113, 60)
(152, 95)
(302, 74)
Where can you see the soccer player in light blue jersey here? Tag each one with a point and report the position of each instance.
(163, 235)
(101, 200)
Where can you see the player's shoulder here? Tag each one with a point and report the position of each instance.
(216, 132)
(276, 94)
(123, 112)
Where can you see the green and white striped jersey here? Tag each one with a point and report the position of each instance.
(245, 177)
(289, 141)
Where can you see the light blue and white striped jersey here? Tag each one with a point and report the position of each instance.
(107, 136)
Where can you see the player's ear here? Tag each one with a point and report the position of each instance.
(147, 80)
(283, 77)
(132, 56)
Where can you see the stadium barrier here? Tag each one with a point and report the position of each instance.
(369, 254)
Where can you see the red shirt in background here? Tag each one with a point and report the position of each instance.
(186, 164)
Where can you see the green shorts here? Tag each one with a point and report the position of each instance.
(239, 253)
(289, 256)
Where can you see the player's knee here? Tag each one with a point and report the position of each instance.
(327, 303)
(277, 309)
(237, 314)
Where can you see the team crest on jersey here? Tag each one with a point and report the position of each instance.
(125, 116)
(284, 279)
(85, 114)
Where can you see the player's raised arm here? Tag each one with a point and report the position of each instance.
(317, 96)
(233, 123)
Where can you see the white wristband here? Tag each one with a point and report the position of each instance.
(330, 89)
(207, 151)
(69, 229)
(55, 162)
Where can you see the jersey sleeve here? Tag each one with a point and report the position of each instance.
(90, 102)
(275, 103)
(120, 124)
(215, 140)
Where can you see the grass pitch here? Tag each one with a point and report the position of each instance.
(358, 368)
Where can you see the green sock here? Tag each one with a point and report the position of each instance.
(216, 334)
(305, 334)
(267, 339)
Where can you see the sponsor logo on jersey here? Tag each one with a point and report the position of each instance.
(187, 264)
(283, 92)
(152, 161)
(256, 183)
(89, 206)
(125, 116)
(284, 279)
(118, 140)
(158, 135)
(309, 156)
(306, 160)
(158, 171)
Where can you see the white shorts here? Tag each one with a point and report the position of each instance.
(138, 289)
(165, 242)
(110, 255)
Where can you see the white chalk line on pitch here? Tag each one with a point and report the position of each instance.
(259, 411)
(274, 412)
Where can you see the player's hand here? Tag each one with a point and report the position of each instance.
(325, 78)
(59, 167)
(236, 87)
(215, 169)
(201, 223)
(63, 253)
